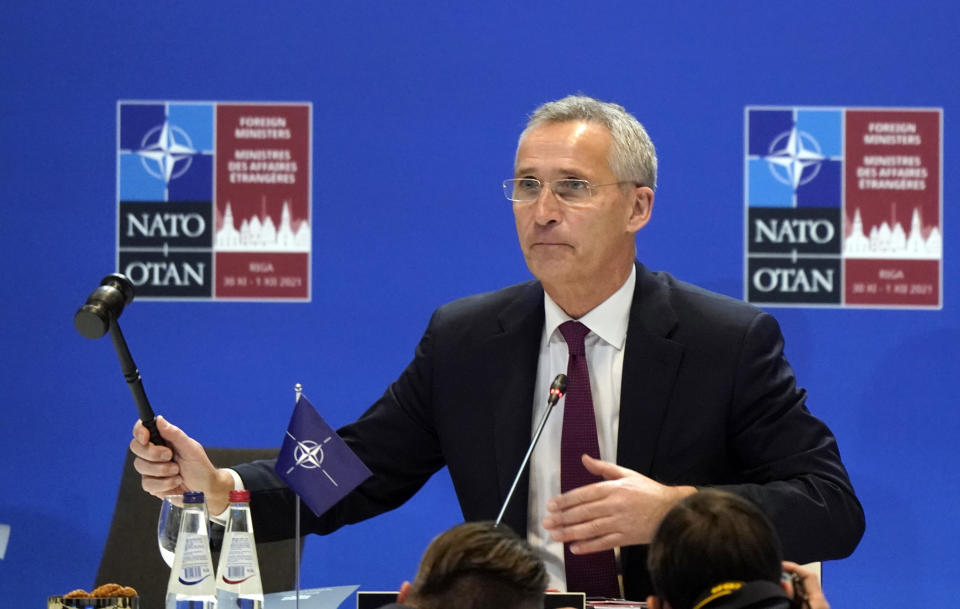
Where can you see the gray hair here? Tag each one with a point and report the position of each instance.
(632, 155)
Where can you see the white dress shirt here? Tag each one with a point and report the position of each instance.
(604, 350)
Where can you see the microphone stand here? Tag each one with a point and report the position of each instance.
(526, 457)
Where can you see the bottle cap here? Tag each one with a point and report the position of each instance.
(193, 497)
(240, 496)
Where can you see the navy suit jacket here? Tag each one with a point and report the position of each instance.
(707, 399)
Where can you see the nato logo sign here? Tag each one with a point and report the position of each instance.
(843, 207)
(213, 199)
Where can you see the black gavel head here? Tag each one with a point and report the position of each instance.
(105, 304)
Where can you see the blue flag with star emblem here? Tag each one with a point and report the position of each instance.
(315, 462)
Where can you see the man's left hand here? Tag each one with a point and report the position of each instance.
(624, 509)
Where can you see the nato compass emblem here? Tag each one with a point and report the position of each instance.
(309, 455)
(794, 158)
(166, 152)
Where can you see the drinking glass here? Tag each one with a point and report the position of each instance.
(168, 526)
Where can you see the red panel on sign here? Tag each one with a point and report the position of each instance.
(263, 201)
(893, 237)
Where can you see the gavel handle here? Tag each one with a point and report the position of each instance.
(134, 382)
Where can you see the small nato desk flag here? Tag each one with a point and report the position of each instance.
(315, 462)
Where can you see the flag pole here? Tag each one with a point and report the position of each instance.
(298, 390)
(301, 463)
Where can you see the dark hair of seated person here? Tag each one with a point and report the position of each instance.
(478, 565)
(712, 546)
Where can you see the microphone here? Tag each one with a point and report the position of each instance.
(557, 388)
(97, 317)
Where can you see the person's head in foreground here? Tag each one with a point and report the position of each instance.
(716, 550)
(477, 565)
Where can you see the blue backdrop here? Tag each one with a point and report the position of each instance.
(417, 107)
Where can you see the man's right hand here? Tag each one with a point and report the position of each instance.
(180, 466)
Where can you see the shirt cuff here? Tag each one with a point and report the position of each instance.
(221, 518)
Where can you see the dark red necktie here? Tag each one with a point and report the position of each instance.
(596, 573)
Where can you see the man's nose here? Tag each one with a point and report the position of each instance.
(548, 208)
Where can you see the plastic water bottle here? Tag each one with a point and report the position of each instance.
(238, 574)
(192, 584)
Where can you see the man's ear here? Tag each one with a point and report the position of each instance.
(405, 588)
(641, 208)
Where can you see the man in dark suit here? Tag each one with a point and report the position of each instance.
(688, 388)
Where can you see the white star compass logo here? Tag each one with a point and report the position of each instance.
(166, 152)
(309, 455)
(791, 153)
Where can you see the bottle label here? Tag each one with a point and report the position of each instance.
(240, 564)
(195, 566)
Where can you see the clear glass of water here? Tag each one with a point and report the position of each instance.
(168, 526)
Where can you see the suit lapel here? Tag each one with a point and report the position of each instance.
(650, 366)
(513, 354)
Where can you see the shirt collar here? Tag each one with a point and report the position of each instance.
(608, 320)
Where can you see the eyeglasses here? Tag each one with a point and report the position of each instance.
(527, 190)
